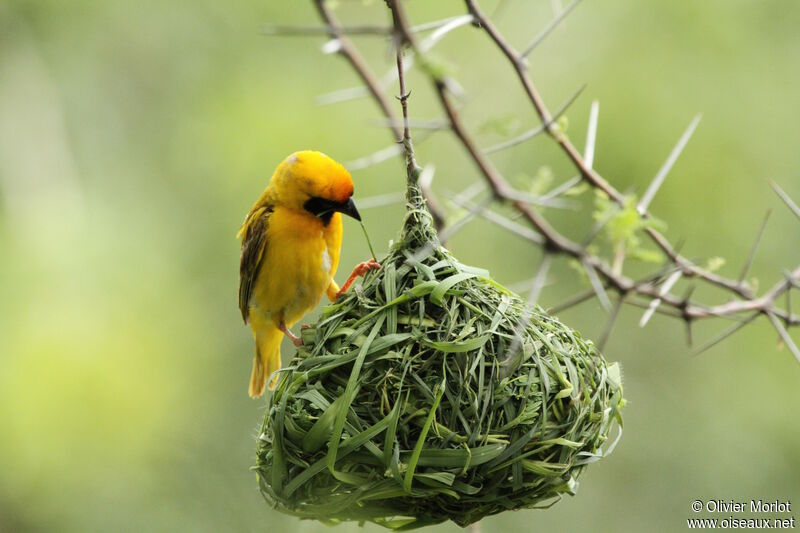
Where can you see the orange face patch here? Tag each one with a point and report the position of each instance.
(341, 188)
(321, 176)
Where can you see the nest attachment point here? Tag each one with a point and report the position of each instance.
(432, 393)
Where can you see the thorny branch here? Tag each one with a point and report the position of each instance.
(653, 293)
(346, 48)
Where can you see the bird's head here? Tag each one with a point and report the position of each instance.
(313, 182)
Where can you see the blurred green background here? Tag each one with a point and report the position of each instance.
(134, 137)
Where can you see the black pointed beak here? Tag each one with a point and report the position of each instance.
(325, 209)
(349, 208)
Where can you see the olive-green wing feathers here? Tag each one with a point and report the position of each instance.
(254, 244)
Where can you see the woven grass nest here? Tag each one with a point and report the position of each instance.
(431, 393)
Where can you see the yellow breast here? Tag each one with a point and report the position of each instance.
(299, 263)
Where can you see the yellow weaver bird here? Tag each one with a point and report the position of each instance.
(291, 240)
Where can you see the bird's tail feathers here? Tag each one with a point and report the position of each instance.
(267, 360)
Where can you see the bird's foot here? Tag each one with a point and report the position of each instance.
(359, 270)
(297, 341)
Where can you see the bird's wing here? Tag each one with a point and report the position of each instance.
(254, 244)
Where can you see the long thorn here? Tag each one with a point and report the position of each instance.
(469, 192)
(549, 28)
(380, 200)
(597, 285)
(427, 26)
(473, 210)
(503, 222)
(753, 249)
(540, 279)
(689, 339)
(572, 302)
(373, 85)
(443, 30)
(564, 187)
(725, 334)
(301, 31)
(666, 311)
(591, 134)
(665, 288)
(530, 134)
(648, 196)
(786, 198)
(384, 154)
(787, 339)
(612, 318)
(342, 95)
(417, 124)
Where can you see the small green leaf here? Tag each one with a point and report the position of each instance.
(504, 125)
(561, 124)
(577, 190)
(646, 256)
(541, 181)
(715, 263)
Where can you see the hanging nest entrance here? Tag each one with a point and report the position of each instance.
(432, 393)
